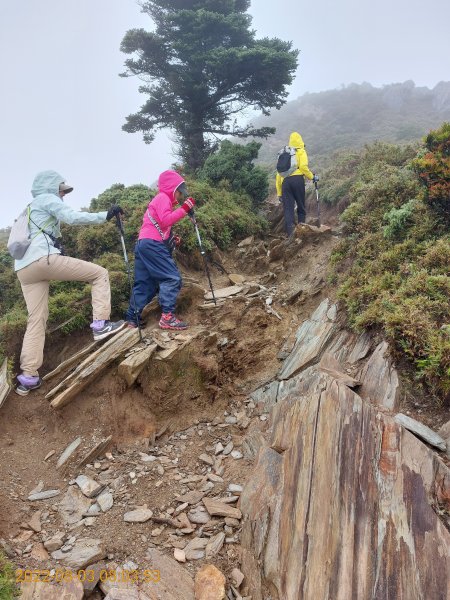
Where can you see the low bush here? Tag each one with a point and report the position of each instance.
(393, 262)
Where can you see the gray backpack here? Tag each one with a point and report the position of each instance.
(19, 237)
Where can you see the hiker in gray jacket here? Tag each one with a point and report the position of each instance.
(44, 262)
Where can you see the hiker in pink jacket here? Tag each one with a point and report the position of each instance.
(154, 268)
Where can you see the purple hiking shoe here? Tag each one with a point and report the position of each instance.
(27, 384)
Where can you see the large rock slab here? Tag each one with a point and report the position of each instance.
(311, 339)
(340, 503)
(85, 552)
(421, 430)
(40, 590)
(380, 383)
(175, 582)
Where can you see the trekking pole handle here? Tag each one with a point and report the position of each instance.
(119, 223)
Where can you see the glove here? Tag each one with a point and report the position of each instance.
(280, 198)
(315, 178)
(177, 240)
(113, 212)
(188, 205)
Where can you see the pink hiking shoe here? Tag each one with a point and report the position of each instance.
(169, 321)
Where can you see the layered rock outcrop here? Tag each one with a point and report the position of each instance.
(344, 503)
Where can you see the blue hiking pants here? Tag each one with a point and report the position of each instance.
(154, 269)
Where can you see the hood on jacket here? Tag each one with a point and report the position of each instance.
(46, 182)
(295, 140)
(168, 182)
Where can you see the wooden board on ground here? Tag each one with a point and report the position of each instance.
(64, 366)
(93, 365)
(130, 368)
(5, 386)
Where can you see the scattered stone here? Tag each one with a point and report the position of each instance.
(39, 553)
(146, 458)
(85, 552)
(214, 545)
(49, 455)
(140, 515)
(218, 449)
(224, 292)
(422, 431)
(179, 555)
(199, 516)
(55, 543)
(96, 451)
(68, 452)
(220, 509)
(94, 577)
(195, 549)
(73, 506)
(215, 478)
(180, 509)
(206, 459)
(209, 583)
(234, 488)
(192, 497)
(43, 495)
(237, 577)
(231, 420)
(105, 501)
(248, 241)
(88, 486)
(232, 522)
(228, 448)
(35, 522)
(236, 454)
(236, 279)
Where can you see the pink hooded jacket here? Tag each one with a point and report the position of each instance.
(161, 208)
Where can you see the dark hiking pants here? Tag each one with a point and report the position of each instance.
(154, 269)
(293, 193)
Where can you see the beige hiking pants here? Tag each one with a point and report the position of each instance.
(35, 279)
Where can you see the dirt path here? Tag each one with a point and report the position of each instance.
(198, 401)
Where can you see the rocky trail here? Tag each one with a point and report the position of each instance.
(255, 456)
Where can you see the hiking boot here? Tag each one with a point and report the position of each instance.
(108, 328)
(27, 384)
(169, 321)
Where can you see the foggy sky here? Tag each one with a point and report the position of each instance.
(62, 103)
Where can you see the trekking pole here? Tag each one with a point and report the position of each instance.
(318, 203)
(202, 252)
(127, 263)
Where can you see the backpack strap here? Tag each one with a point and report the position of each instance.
(156, 224)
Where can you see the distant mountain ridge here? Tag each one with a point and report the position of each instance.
(356, 115)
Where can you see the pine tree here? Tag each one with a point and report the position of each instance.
(202, 66)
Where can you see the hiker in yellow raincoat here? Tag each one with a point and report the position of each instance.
(291, 189)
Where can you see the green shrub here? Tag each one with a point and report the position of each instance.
(231, 167)
(393, 263)
(8, 587)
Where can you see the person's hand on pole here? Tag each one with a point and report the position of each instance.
(114, 211)
(315, 178)
(188, 206)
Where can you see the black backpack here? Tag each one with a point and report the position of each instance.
(287, 161)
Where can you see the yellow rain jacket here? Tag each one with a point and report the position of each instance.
(296, 141)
